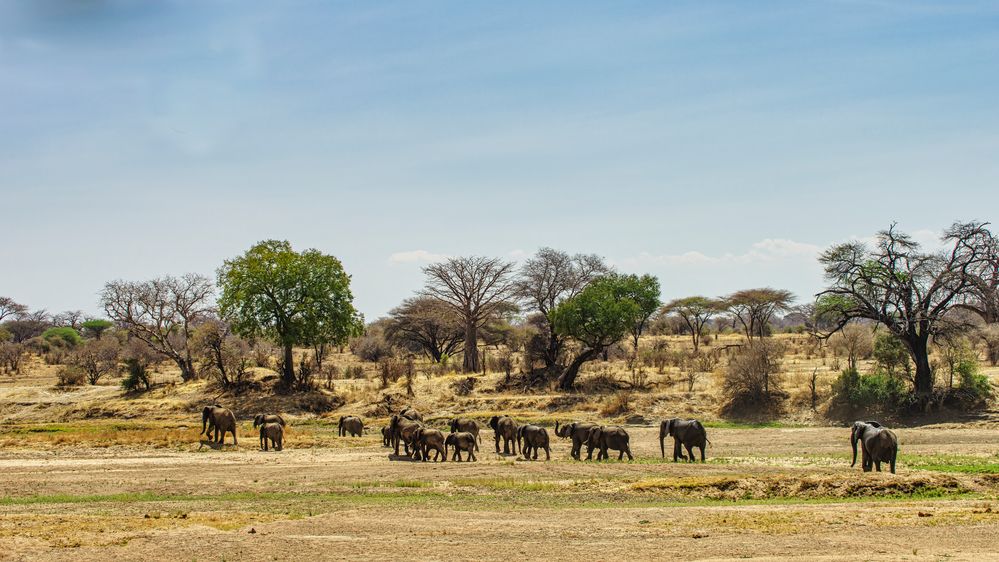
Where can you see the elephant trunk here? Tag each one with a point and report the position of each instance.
(662, 439)
(853, 443)
(204, 420)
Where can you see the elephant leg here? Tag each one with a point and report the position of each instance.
(620, 454)
(702, 453)
(548, 453)
(471, 456)
(535, 450)
(234, 442)
(676, 450)
(690, 453)
(877, 465)
(627, 450)
(497, 443)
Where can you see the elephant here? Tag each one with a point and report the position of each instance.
(350, 424)
(261, 419)
(688, 433)
(386, 436)
(531, 438)
(274, 432)
(467, 425)
(579, 432)
(461, 441)
(504, 428)
(404, 430)
(222, 421)
(428, 439)
(605, 437)
(878, 444)
(411, 413)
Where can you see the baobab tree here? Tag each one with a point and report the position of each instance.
(473, 287)
(904, 288)
(546, 280)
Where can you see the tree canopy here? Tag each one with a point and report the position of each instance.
(292, 298)
(695, 312)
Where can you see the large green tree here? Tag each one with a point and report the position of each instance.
(599, 316)
(292, 298)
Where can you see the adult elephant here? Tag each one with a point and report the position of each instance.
(687, 433)
(467, 425)
(530, 438)
(404, 430)
(350, 424)
(461, 441)
(261, 419)
(605, 437)
(878, 444)
(429, 439)
(221, 421)
(273, 432)
(506, 429)
(411, 413)
(579, 432)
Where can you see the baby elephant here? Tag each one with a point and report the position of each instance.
(427, 440)
(461, 441)
(350, 424)
(274, 433)
(386, 436)
(531, 438)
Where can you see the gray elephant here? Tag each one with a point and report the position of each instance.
(467, 425)
(261, 419)
(608, 437)
(530, 438)
(404, 430)
(428, 439)
(579, 432)
(411, 413)
(506, 429)
(386, 436)
(461, 441)
(273, 432)
(878, 444)
(221, 422)
(687, 433)
(350, 424)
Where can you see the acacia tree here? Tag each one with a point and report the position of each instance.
(161, 313)
(753, 308)
(548, 279)
(645, 292)
(426, 325)
(473, 287)
(695, 312)
(292, 298)
(9, 308)
(904, 288)
(598, 317)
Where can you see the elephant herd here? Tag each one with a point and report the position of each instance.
(420, 441)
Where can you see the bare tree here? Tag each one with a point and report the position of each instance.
(71, 318)
(425, 325)
(162, 313)
(855, 340)
(753, 308)
(982, 296)
(907, 290)
(10, 308)
(695, 312)
(473, 287)
(97, 358)
(549, 278)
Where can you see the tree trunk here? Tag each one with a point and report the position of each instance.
(919, 350)
(552, 351)
(186, 369)
(568, 378)
(470, 363)
(288, 376)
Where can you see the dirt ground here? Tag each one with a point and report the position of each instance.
(766, 493)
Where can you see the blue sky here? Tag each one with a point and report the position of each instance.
(718, 145)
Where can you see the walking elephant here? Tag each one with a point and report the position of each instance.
(350, 424)
(608, 437)
(404, 430)
(386, 436)
(221, 421)
(461, 441)
(579, 432)
(690, 434)
(273, 432)
(467, 425)
(428, 439)
(261, 419)
(411, 413)
(506, 429)
(530, 438)
(878, 444)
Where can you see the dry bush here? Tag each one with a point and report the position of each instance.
(262, 353)
(12, 356)
(465, 386)
(96, 358)
(354, 372)
(70, 375)
(752, 380)
(616, 404)
(990, 337)
(389, 371)
(854, 342)
(331, 372)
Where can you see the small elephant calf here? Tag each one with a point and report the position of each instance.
(273, 432)
(461, 441)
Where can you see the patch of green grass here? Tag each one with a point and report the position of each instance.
(507, 484)
(952, 463)
(726, 424)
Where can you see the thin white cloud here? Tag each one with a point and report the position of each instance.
(416, 256)
(768, 250)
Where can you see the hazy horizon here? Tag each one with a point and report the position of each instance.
(717, 146)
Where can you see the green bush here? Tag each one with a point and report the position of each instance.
(870, 393)
(63, 335)
(137, 377)
(974, 385)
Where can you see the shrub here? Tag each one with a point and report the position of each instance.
(371, 347)
(222, 356)
(753, 382)
(354, 372)
(616, 404)
(5, 335)
(877, 392)
(465, 386)
(12, 357)
(96, 358)
(891, 356)
(974, 386)
(62, 336)
(71, 375)
(137, 377)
